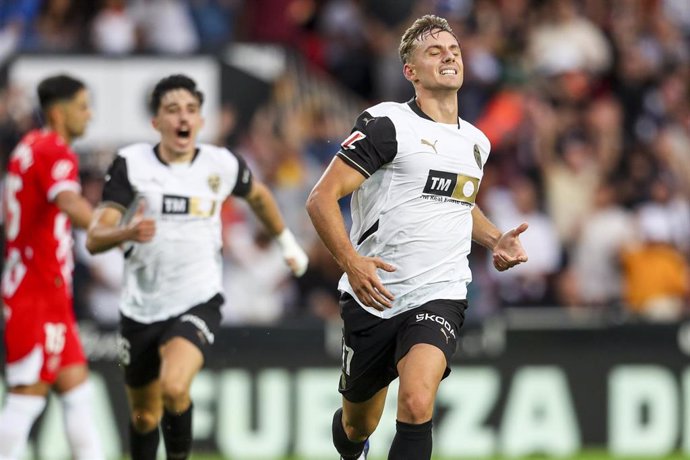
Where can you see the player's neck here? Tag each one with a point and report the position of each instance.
(442, 108)
(62, 132)
(171, 156)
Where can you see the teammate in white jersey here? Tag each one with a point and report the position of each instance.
(414, 170)
(162, 204)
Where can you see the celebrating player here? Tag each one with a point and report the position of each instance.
(415, 169)
(172, 296)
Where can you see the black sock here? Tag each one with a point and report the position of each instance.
(411, 442)
(177, 434)
(346, 448)
(143, 446)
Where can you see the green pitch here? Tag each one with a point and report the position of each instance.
(586, 455)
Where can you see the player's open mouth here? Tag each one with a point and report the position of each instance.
(183, 133)
(449, 72)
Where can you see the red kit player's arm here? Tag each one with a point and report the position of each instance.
(76, 207)
(58, 173)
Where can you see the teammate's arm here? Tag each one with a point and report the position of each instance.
(264, 206)
(507, 249)
(77, 208)
(105, 231)
(340, 180)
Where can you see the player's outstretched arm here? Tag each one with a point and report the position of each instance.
(265, 208)
(77, 208)
(105, 231)
(338, 181)
(509, 251)
(506, 247)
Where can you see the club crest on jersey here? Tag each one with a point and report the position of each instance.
(214, 182)
(61, 169)
(478, 156)
(445, 186)
(348, 144)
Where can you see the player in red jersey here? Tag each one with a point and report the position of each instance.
(41, 201)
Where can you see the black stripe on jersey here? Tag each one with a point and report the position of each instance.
(117, 188)
(412, 104)
(243, 185)
(372, 143)
(370, 231)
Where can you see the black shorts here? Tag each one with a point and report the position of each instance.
(139, 343)
(372, 346)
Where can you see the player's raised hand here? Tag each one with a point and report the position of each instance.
(142, 228)
(509, 251)
(366, 283)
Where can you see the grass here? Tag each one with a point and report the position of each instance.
(585, 455)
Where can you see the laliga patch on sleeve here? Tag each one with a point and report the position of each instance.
(61, 170)
(348, 144)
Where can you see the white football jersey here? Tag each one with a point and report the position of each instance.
(414, 209)
(181, 266)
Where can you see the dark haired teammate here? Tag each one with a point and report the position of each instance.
(41, 202)
(415, 169)
(172, 294)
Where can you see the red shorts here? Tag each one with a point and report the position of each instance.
(41, 337)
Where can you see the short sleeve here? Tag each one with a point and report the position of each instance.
(117, 188)
(58, 171)
(371, 144)
(243, 184)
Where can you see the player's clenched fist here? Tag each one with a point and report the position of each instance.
(142, 229)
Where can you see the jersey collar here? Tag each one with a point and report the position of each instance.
(412, 103)
(156, 151)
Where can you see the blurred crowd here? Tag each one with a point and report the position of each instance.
(586, 104)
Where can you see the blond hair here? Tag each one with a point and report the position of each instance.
(426, 25)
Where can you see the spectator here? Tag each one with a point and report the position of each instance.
(570, 173)
(15, 17)
(254, 276)
(165, 26)
(528, 284)
(347, 55)
(215, 22)
(58, 27)
(113, 30)
(563, 40)
(670, 210)
(656, 276)
(596, 254)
